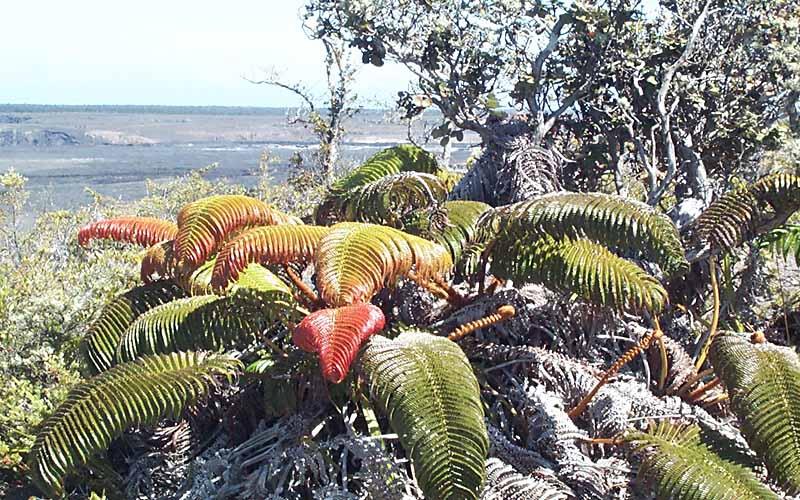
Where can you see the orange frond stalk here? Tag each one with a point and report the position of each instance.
(697, 393)
(626, 358)
(301, 285)
(454, 297)
(429, 286)
(664, 368)
(503, 312)
(701, 358)
(496, 282)
(687, 385)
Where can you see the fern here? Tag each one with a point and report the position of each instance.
(388, 199)
(402, 158)
(505, 483)
(677, 464)
(747, 212)
(266, 245)
(763, 382)
(456, 230)
(204, 224)
(210, 322)
(581, 267)
(784, 241)
(354, 261)
(337, 335)
(143, 231)
(102, 408)
(158, 262)
(628, 228)
(426, 386)
(100, 343)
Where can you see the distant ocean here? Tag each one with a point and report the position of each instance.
(114, 149)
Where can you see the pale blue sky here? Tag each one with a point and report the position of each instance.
(176, 52)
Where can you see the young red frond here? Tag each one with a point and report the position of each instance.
(144, 231)
(266, 245)
(337, 335)
(204, 224)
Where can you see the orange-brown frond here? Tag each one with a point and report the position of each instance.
(158, 262)
(337, 335)
(266, 245)
(144, 231)
(354, 261)
(204, 224)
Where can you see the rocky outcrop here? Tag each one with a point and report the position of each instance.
(44, 137)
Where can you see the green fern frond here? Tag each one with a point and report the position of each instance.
(388, 199)
(402, 158)
(676, 464)
(783, 241)
(208, 322)
(427, 388)
(763, 382)
(102, 408)
(100, 343)
(582, 267)
(747, 212)
(627, 227)
(456, 230)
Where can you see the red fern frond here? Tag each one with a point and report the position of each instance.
(204, 224)
(266, 245)
(144, 231)
(158, 262)
(337, 335)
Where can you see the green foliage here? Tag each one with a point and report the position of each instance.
(582, 267)
(627, 227)
(427, 388)
(677, 464)
(390, 161)
(763, 382)
(101, 341)
(747, 212)
(389, 199)
(454, 231)
(100, 409)
(783, 241)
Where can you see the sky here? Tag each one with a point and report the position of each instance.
(165, 52)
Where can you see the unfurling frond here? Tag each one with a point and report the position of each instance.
(402, 158)
(456, 231)
(628, 228)
(158, 262)
(748, 212)
(100, 343)
(204, 224)
(581, 267)
(102, 408)
(143, 231)
(677, 464)
(266, 245)
(209, 322)
(354, 261)
(387, 200)
(427, 388)
(337, 335)
(763, 382)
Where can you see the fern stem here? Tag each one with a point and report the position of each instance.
(687, 385)
(503, 312)
(664, 369)
(453, 297)
(626, 357)
(697, 393)
(706, 342)
(302, 286)
(432, 287)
